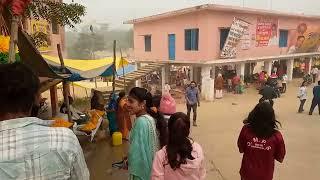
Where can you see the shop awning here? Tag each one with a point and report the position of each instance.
(87, 69)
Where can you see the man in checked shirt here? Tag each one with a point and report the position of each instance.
(29, 148)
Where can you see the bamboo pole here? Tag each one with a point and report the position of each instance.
(65, 84)
(74, 95)
(54, 100)
(124, 78)
(13, 38)
(114, 67)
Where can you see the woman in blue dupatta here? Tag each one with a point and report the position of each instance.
(111, 113)
(148, 135)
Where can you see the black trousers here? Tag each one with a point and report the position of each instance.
(314, 76)
(315, 102)
(270, 101)
(194, 109)
(302, 102)
(284, 87)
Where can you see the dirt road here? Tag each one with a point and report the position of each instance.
(218, 130)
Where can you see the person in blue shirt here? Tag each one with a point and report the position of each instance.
(316, 98)
(192, 100)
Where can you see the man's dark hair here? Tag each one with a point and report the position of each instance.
(319, 83)
(18, 88)
(193, 82)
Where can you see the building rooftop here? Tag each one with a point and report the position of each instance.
(216, 7)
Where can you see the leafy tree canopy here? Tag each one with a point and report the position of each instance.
(61, 13)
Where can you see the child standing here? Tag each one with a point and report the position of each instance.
(302, 95)
(229, 85)
(261, 144)
(284, 82)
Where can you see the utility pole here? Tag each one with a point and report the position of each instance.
(92, 51)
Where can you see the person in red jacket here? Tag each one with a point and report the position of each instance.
(261, 144)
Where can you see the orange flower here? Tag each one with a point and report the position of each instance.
(4, 44)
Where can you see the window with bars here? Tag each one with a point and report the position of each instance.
(191, 38)
(224, 32)
(147, 43)
(283, 39)
(55, 28)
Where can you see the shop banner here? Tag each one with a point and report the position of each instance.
(43, 27)
(237, 30)
(245, 40)
(267, 32)
(40, 26)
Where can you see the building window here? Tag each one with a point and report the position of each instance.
(283, 40)
(224, 32)
(147, 43)
(55, 28)
(191, 38)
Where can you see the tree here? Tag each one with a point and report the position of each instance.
(86, 44)
(55, 12)
(61, 13)
(81, 44)
(52, 11)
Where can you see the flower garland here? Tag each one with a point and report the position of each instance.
(4, 44)
(4, 50)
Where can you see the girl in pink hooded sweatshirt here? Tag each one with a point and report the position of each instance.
(182, 158)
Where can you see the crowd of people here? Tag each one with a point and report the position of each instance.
(158, 149)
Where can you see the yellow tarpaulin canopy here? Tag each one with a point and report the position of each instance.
(86, 65)
(88, 85)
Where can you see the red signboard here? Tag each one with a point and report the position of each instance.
(267, 32)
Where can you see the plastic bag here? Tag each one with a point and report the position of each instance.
(167, 104)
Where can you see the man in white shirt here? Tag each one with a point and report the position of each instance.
(30, 148)
(284, 83)
(314, 72)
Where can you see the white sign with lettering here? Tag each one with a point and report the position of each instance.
(236, 32)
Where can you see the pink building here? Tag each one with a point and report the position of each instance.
(213, 35)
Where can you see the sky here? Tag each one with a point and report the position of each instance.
(115, 12)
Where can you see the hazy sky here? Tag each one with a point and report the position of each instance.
(115, 12)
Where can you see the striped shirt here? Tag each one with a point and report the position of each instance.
(29, 149)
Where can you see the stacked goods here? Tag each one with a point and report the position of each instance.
(93, 122)
(58, 122)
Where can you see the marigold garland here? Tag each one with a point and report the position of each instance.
(4, 44)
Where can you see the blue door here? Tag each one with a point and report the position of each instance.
(172, 46)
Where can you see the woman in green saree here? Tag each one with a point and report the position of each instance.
(148, 135)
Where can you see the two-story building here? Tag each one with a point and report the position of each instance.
(209, 36)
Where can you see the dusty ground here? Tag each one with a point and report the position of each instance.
(219, 126)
